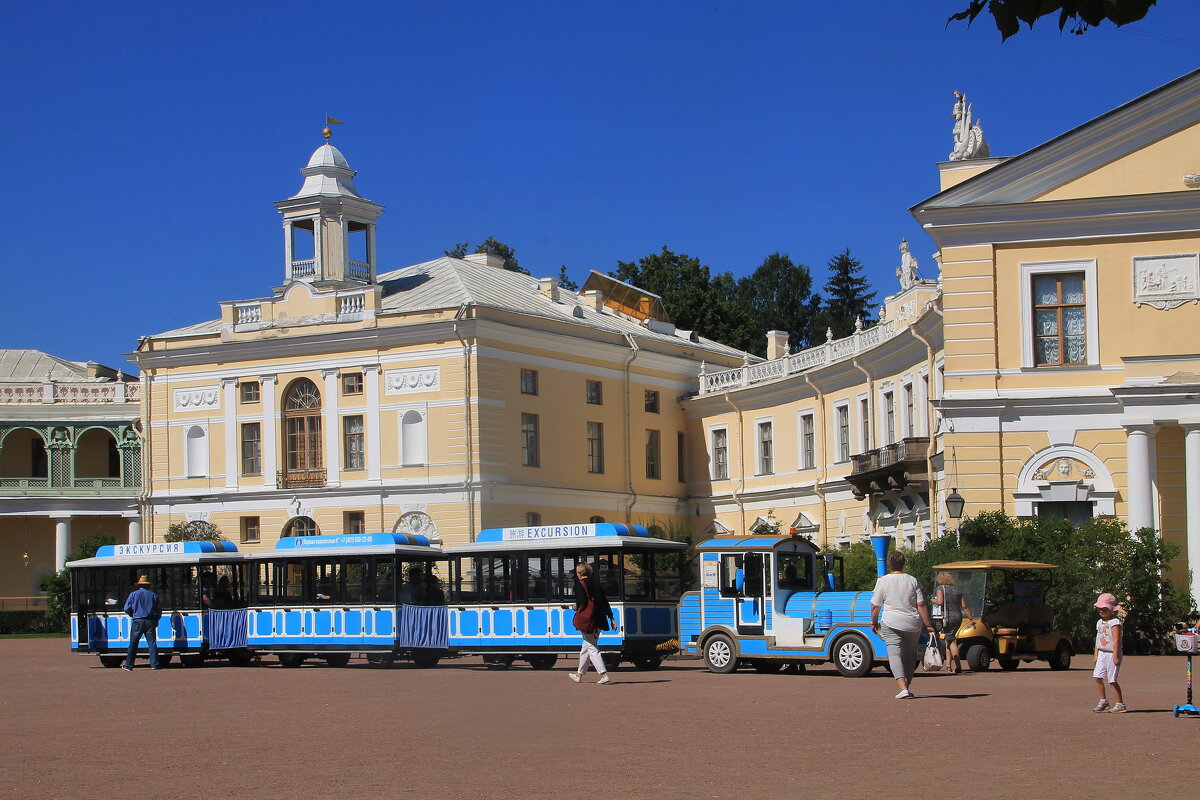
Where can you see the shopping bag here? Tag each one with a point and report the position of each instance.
(933, 656)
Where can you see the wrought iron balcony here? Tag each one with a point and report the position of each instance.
(890, 468)
(301, 479)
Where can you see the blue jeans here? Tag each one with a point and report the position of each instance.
(149, 629)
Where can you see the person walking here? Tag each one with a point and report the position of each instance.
(144, 607)
(954, 607)
(592, 615)
(1110, 634)
(898, 597)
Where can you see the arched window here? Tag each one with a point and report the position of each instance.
(413, 438)
(595, 520)
(302, 435)
(196, 450)
(301, 526)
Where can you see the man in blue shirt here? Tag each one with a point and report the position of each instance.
(143, 605)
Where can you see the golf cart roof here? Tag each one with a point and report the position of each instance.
(995, 564)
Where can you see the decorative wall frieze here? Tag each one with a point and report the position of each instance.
(1166, 282)
(194, 399)
(410, 381)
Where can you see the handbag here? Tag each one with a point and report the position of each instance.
(933, 655)
(585, 618)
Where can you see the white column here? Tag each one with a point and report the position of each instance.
(333, 431)
(287, 250)
(135, 530)
(318, 245)
(229, 398)
(1138, 475)
(62, 541)
(373, 432)
(1191, 455)
(270, 452)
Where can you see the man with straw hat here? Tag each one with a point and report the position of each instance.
(145, 609)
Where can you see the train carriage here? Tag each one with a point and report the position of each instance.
(511, 593)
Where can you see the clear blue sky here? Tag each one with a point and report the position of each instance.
(148, 141)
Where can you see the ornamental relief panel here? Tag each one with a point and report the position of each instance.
(411, 381)
(1166, 282)
(196, 399)
(1058, 469)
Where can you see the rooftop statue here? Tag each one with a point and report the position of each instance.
(968, 135)
(907, 271)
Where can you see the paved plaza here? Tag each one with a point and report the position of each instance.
(71, 728)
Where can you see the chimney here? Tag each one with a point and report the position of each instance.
(777, 344)
(486, 259)
(593, 299)
(548, 287)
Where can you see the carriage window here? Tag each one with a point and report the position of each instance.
(464, 571)
(291, 581)
(668, 578)
(326, 582)
(356, 581)
(537, 571)
(639, 576)
(385, 582)
(730, 564)
(794, 571)
(224, 586)
(501, 580)
(264, 584)
(607, 569)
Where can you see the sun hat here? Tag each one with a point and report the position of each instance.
(1108, 601)
(144, 581)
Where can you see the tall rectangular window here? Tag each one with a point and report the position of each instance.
(352, 383)
(530, 456)
(355, 522)
(766, 448)
(595, 446)
(864, 419)
(909, 410)
(889, 418)
(595, 393)
(651, 401)
(353, 443)
(532, 519)
(250, 529)
(248, 392)
(681, 456)
(251, 448)
(1059, 319)
(653, 455)
(529, 381)
(808, 442)
(842, 415)
(720, 453)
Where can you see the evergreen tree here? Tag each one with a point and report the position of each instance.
(846, 295)
(493, 246)
(564, 280)
(778, 296)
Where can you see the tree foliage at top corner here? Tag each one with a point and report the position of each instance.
(495, 247)
(847, 296)
(1079, 14)
(195, 531)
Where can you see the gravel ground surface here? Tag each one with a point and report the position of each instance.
(71, 728)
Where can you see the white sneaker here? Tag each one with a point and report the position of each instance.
(904, 695)
(1101, 707)
(604, 679)
(574, 676)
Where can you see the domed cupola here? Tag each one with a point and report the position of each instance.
(328, 227)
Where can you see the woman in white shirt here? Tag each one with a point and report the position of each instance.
(899, 597)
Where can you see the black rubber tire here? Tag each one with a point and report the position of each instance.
(647, 663)
(112, 662)
(612, 661)
(1061, 659)
(498, 662)
(979, 657)
(720, 656)
(853, 656)
(241, 657)
(542, 660)
(425, 661)
(291, 660)
(337, 659)
(766, 666)
(1008, 664)
(191, 660)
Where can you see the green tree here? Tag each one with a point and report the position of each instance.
(1080, 14)
(57, 585)
(197, 530)
(778, 296)
(564, 280)
(858, 566)
(847, 296)
(493, 246)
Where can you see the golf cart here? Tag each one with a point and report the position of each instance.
(1009, 619)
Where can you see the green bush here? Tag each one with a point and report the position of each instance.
(57, 585)
(1100, 556)
(27, 621)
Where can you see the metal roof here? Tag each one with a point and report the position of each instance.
(995, 564)
(34, 365)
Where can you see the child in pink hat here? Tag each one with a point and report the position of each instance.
(1108, 653)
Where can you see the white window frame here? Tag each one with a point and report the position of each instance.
(1091, 313)
(805, 461)
(712, 452)
(865, 431)
(841, 453)
(908, 396)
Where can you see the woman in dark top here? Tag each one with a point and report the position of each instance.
(589, 592)
(954, 607)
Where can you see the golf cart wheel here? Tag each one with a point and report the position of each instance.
(1008, 664)
(979, 658)
(852, 656)
(1062, 657)
(765, 666)
(719, 654)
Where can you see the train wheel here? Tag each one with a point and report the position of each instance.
(979, 658)
(542, 660)
(112, 661)
(381, 659)
(498, 662)
(291, 660)
(425, 661)
(852, 656)
(1062, 657)
(612, 661)
(191, 659)
(719, 654)
(648, 662)
(766, 667)
(337, 659)
(240, 657)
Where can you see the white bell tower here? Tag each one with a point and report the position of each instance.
(328, 228)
